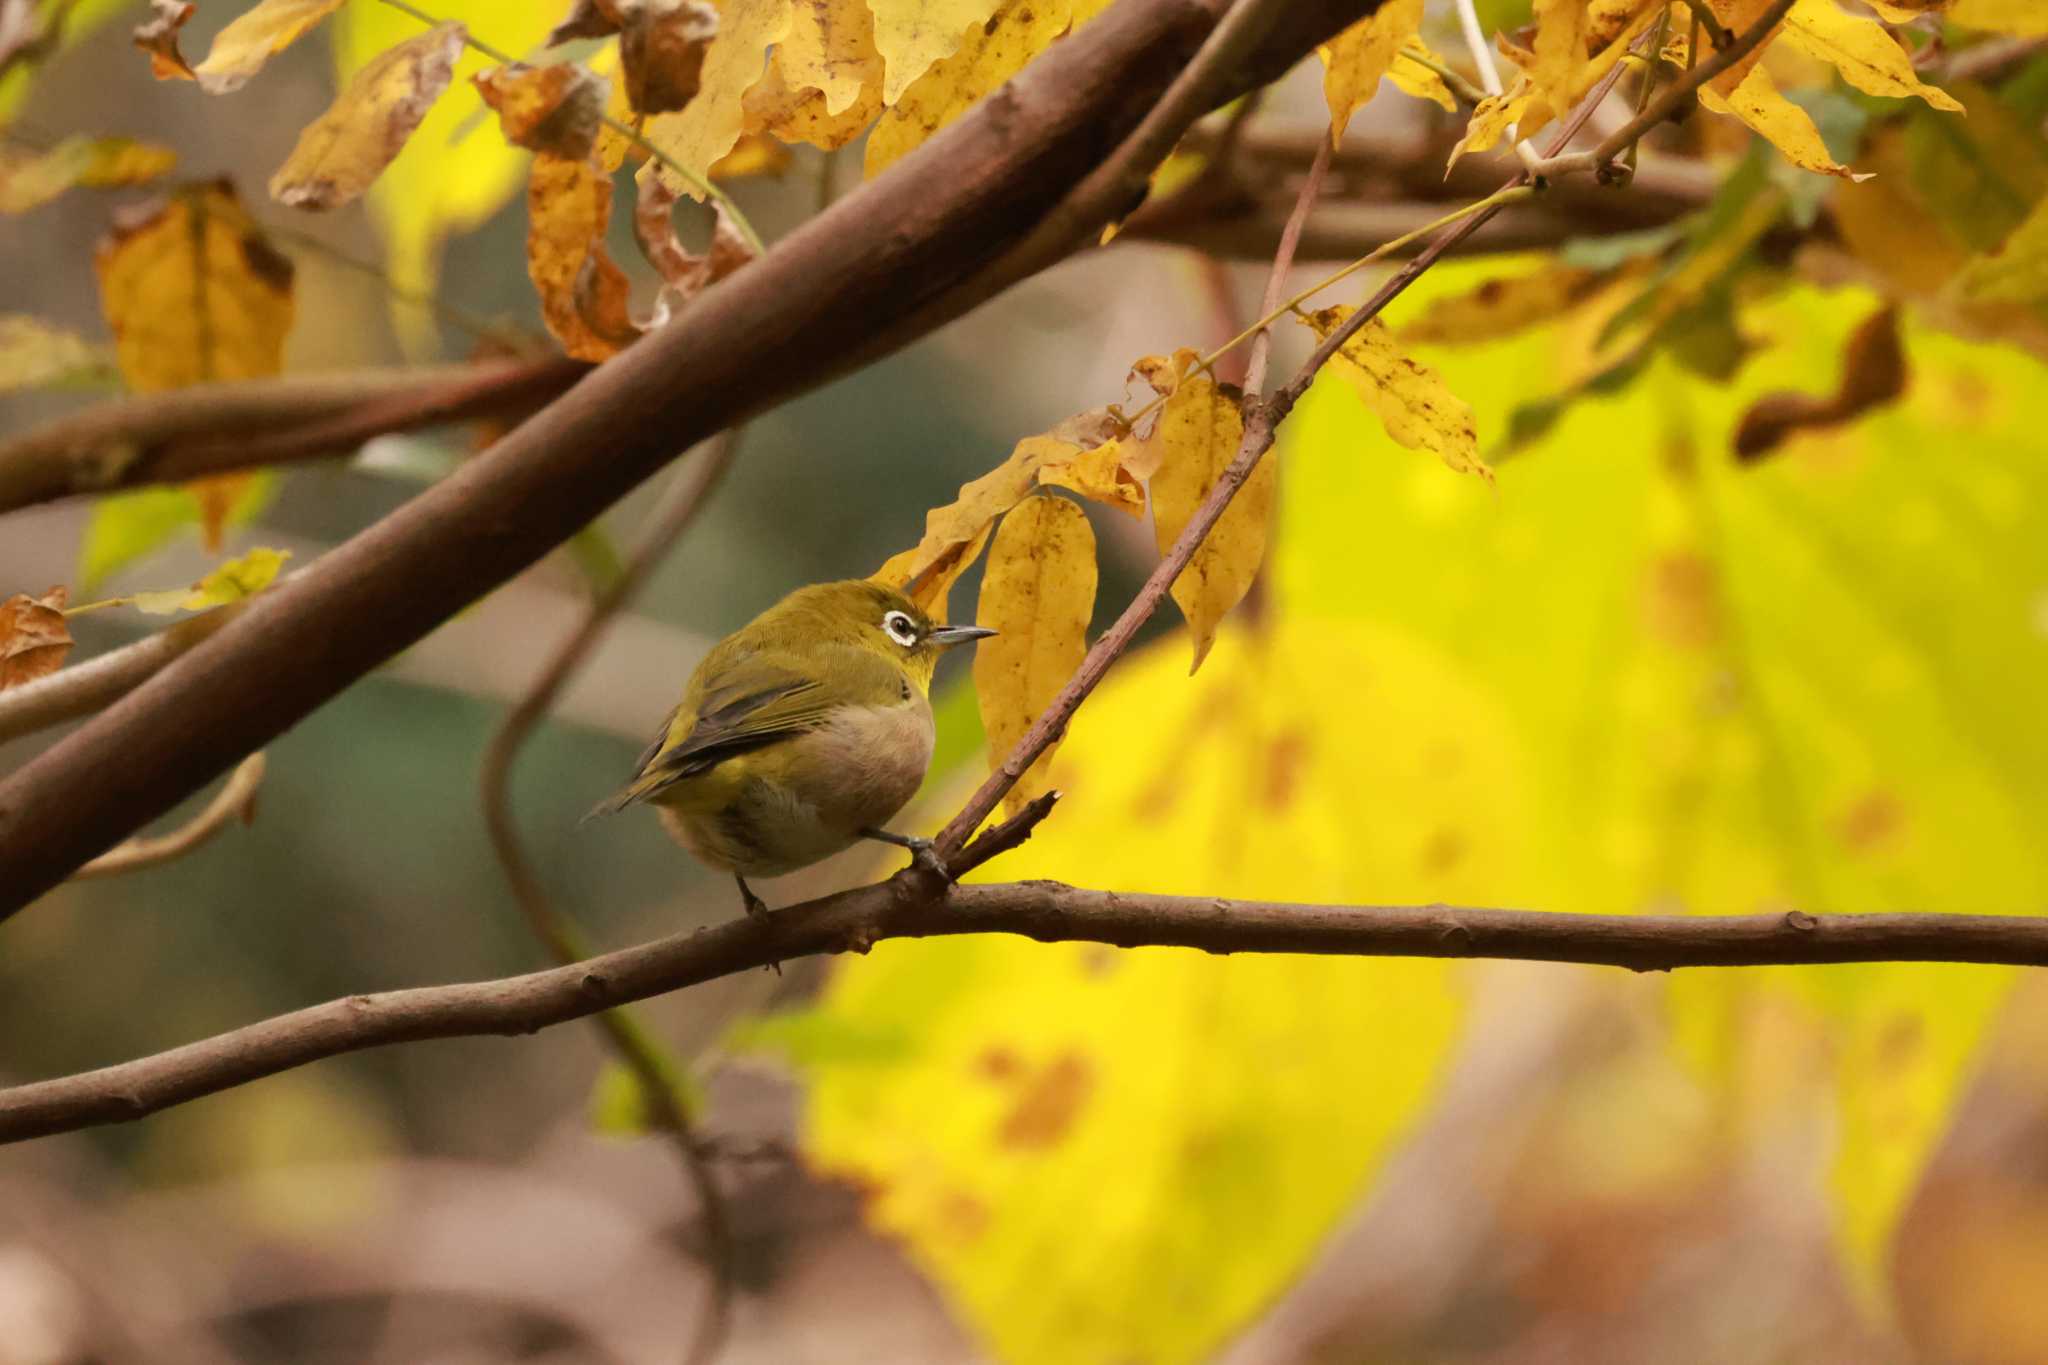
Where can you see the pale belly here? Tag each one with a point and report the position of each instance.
(860, 768)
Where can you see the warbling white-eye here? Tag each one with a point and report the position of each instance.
(801, 732)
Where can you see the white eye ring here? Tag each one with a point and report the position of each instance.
(900, 628)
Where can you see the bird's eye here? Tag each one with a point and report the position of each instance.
(900, 628)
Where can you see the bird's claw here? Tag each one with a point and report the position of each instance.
(925, 854)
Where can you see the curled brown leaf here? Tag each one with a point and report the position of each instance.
(158, 36)
(33, 637)
(556, 109)
(1873, 373)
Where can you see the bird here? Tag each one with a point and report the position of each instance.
(801, 733)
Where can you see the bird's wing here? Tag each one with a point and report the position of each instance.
(742, 707)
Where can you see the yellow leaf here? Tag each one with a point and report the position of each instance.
(1906, 11)
(553, 109)
(1038, 593)
(831, 49)
(1199, 432)
(35, 355)
(698, 135)
(987, 55)
(1411, 400)
(1560, 52)
(1100, 473)
(2017, 272)
(1501, 307)
(253, 37)
(2022, 18)
(1493, 117)
(1411, 77)
(782, 106)
(33, 637)
(1868, 57)
(583, 293)
(340, 153)
(1781, 122)
(193, 291)
(230, 581)
(31, 179)
(912, 35)
(1356, 59)
(1568, 74)
(754, 154)
(456, 171)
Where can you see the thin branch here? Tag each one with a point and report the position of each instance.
(1703, 17)
(1276, 279)
(1667, 103)
(95, 684)
(214, 428)
(235, 801)
(890, 261)
(1050, 912)
(625, 1035)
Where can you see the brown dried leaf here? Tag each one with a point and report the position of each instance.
(587, 19)
(684, 273)
(583, 293)
(1873, 373)
(254, 37)
(33, 637)
(158, 36)
(345, 149)
(662, 45)
(554, 109)
(1038, 594)
(31, 179)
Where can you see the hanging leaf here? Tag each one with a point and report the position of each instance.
(340, 153)
(231, 581)
(685, 273)
(1873, 374)
(31, 179)
(913, 35)
(253, 37)
(1868, 57)
(1411, 400)
(583, 293)
(554, 109)
(1356, 59)
(1199, 433)
(33, 637)
(824, 83)
(697, 136)
(1038, 593)
(158, 36)
(1777, 120)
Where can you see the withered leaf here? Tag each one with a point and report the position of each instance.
(158, 36)
(1038, 594)
(586, 19)
(33, 637)
(555, 109)
(583, 293)
(340, 153)
(684, 273)
(1873, 374)
(253, 37)
(662, 45)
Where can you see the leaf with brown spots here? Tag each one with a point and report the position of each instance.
(253, 37)
(33, 637)
(662, 44)
(1501, 307)
(1355, 60)
(1198, 435)
(824, 83)
(158, 36)
(1411, 400)
(986, 55)
(701, 133)
(340, 153)
(1048, 1102)
(583, 293)
(1038, 594)
(555, 109)
(31, 179)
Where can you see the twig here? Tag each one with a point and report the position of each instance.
(702, 183)
(1049, 912)
(212, 428)
(1703, 17)
(625, 1035)
(236, 800)
(84, 688)
(1665, 104)
(1276, 279)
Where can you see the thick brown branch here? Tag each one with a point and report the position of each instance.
(1047, 911)
(213, 428)
(887, 263)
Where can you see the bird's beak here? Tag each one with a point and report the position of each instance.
(947, 636)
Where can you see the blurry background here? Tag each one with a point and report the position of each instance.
(1638, 675)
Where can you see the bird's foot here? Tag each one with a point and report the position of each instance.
(757, 908)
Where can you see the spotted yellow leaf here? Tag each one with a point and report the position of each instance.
(913, 35)
(340, 153)
(1038, 593)
(1779, 121)
(1356, 59)
(1868, 57)
(986, 56)
(698, 135)
(1412, 401)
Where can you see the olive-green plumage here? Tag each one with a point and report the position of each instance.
(800, 733)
